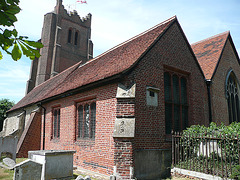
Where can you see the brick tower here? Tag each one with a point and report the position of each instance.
(67, 40)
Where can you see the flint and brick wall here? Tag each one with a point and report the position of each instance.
(30, 139)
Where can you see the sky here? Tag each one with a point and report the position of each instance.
(115, 21)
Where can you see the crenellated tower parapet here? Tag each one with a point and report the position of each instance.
(67, 40)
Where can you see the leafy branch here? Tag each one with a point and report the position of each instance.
(10, 42)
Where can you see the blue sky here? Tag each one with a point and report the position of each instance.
(114, 21)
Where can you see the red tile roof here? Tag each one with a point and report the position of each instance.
(208, 52)
(42, 90)
(113, 62)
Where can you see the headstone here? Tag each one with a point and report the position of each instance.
(79, 178)
(87, 178)
(8, 145)
(27, 169)
(112, 177)
(206, 149)
(9, 162)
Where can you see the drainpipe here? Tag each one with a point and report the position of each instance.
(44, 123)
(209, 82)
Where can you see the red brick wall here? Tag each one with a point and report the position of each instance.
(105, 152)
(219, 101)
(170, 52)
(125, 107)
(32, 139)
(96, 155)
(123, 157)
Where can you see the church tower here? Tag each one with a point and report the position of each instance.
(67, 40)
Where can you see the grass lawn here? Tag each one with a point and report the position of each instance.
(6, 174)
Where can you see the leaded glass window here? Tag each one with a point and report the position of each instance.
(176, 103)
(86, 122)
(56, 123)
(80, 121)
(232, 91)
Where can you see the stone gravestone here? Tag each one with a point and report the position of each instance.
(10, 163)
(80, 177)
(28, 169)
(87, 178)
(8, 145)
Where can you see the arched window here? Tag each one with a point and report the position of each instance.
(69, 36)
(232, 93)
(76, 38)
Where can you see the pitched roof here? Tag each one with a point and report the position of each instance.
(208, 52)
(115, 61)
(42, 90)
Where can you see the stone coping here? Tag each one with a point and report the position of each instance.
(50, 152)
(92, 174)
(196, 174)
(23, 162)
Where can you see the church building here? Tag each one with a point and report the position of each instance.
(118, 110)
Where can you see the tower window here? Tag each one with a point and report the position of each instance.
(69, 36)
(76, 38)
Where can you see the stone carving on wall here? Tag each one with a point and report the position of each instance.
(124, 127)
(123, 92)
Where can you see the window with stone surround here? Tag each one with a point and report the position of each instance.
(56, 122)
(232, 93)
(86, 120)
(176, 101)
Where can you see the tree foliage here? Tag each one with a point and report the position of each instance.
(5, 105)
(10, 41)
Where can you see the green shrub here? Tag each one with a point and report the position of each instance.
(226, 138)
(235, 172)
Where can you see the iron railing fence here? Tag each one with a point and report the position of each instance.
(216, 155)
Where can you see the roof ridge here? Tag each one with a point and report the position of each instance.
(211, 37)
(125, 42)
